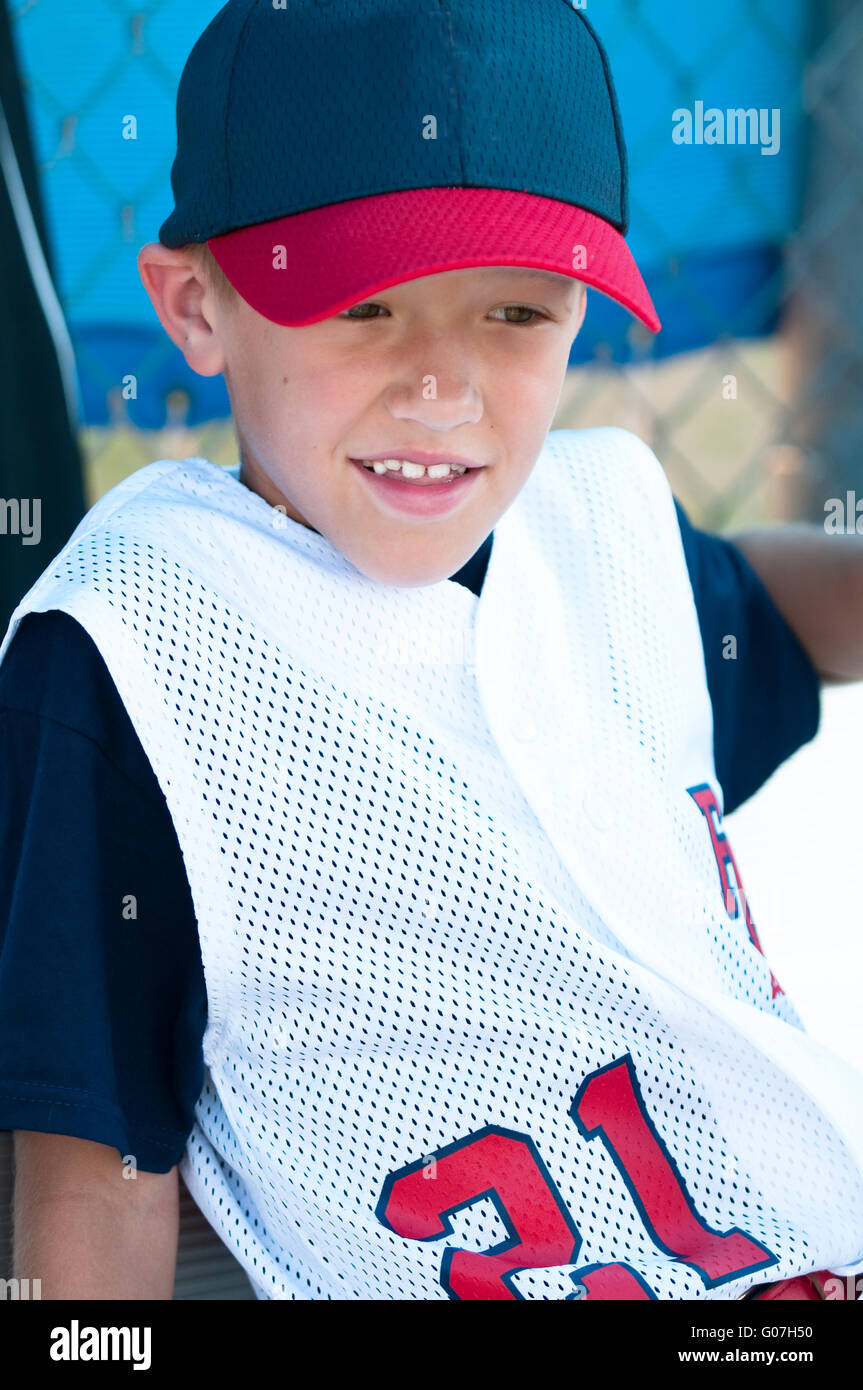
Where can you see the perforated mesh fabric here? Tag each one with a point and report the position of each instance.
(473, 983)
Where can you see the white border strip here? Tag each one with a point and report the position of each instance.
(39, 272)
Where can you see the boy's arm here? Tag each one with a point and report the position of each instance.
(816, 582)
(86, 1231)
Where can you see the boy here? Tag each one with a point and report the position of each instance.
(484, 1012)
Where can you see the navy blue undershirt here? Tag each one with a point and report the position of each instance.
(102, 1014)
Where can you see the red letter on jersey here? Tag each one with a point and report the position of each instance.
(506, 1167)
(610, 1101)
(732, 892)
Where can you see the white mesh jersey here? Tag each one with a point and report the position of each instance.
(488, 1016)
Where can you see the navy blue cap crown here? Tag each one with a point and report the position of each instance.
(282, 109)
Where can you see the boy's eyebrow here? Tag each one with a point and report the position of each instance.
(552, 279)
(533, 270)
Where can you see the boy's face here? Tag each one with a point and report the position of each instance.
(453, 364)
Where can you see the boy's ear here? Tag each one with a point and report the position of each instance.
(184, 304)
(582, 311)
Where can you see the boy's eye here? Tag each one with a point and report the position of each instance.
(356, 307)
(355, 311)
(522, 309)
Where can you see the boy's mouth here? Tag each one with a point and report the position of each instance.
(406, 470)
(415, 489)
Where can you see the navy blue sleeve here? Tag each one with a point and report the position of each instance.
(767, 700)
(102, 1008)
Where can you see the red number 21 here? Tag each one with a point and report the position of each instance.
(506, 1167)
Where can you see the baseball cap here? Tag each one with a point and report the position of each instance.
(328, 149)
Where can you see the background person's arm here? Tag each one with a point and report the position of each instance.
(816, 581)
(85, 1230)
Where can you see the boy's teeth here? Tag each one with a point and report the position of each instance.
(415, 470)
(442, 470)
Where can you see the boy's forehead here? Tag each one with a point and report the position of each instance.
(491, 275)
(549, 277)
(513, 271)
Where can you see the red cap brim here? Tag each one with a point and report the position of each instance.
(302, 268)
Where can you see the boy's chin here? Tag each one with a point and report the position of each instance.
(412, 572)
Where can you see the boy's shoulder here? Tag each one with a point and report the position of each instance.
(615, 466)
(104, 528)
(606, 446)
(162, 476)
(158, 480)
(152, 498)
